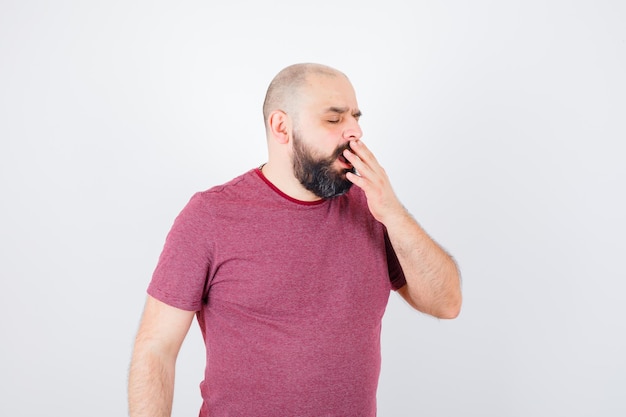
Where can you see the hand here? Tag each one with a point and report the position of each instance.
(373, 180)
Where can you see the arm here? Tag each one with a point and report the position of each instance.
(433, 281)
(151, 380)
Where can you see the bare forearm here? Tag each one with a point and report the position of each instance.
(433, 282)
(150, 385)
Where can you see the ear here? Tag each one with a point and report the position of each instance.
(278, 123)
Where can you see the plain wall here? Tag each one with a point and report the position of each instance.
(501, 124)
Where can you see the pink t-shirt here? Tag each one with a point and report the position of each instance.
(289, 297)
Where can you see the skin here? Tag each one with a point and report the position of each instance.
(151, 378)
(324, 112)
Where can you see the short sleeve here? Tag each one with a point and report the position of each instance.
(396, 275)
(180, 277)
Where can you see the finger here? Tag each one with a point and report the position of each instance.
(362, 151)
(364, 167)
(351, 156)
(363, 176)
(356, 180)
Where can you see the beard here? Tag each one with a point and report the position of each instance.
(318, 174)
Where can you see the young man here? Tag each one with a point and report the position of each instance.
(288, 269)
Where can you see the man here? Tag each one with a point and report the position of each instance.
(288, 269)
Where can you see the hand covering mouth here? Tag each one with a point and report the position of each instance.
(343, 160)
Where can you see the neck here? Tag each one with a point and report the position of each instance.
(282, 177)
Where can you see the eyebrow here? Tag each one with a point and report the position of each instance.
(341, 110)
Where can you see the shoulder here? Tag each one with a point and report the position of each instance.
(244, 185)
(226, 199)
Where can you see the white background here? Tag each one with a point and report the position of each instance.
(501, 125)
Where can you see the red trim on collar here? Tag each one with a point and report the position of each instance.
(293, 200)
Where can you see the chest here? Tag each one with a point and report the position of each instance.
(296, 265)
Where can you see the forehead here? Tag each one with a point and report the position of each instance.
(322, 92)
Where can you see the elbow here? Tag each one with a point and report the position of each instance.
(452, 306)
(445, 305)
(448, 309)
(450, 313)
(451, 309)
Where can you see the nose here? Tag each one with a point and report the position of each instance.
(353, 130)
